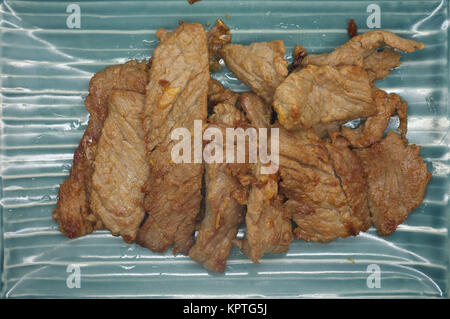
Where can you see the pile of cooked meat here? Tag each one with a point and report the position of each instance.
(333, 180)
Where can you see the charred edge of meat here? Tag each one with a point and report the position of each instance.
(210, 110)
(273, 117)
(217, 37)
(352, 29)
(299, 55)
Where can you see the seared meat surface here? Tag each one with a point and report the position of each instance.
(325, 186)
(372, 130)
(261, 65)
(323, 94)
(258, 112)
(378, 64)
(268, 225)
(176, 96)
(361, 46)
(336, 86)
(223, 210)
(366, 51)
(72, 212)
(348, 168)
(120, 167)
(397, 178)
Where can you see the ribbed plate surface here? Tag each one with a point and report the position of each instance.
(45, 69)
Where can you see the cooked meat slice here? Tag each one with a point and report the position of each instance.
(72, 211)
(223, 215)
(379, 63)
(316, 199)
(372, 130)
(397, 178)
(359, 47)
(349, 169)
(121, 166)
(226, 115)
(268, 226)
(223, 212)
(218, 94)
(364, 51)
(176, 96)
(261, 65)
(319, 224)
(320, 200)
(258, 112)
(217, 37)
(323, 94)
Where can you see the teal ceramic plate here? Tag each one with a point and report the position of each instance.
(47, 56)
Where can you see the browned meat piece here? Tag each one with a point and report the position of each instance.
(320, 224)
(320, 179)
(223, 212)
(349, 169)
(363, 50)
(359, 47)
(316, 199)
(372, 130)
(323, 94)
(261, 66)
(256, 110)
(72, 211)
(379, 63)
(217, 37)
(227, 115)
(218, 94)
(268, 225)
(299, 55)
(397, 178)
(223, 215)
(176, 96)
(121, 167)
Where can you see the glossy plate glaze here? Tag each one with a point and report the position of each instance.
(46, 62)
